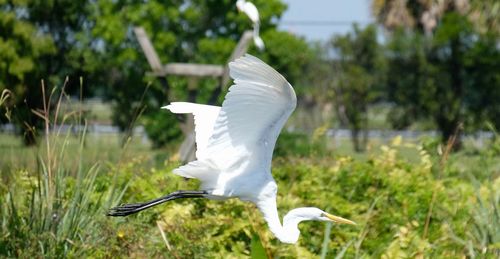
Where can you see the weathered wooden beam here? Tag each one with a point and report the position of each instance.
(242, 46)
(192, 70)
(149, 50)
(187, 150)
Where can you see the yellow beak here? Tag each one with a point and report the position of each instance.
(339, 220)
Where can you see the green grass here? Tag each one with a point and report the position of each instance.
(95, 110)
(310, 118)
(52, 210)
(387, 190)
(103, 148)
(409, 198)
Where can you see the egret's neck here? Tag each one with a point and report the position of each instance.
(286, 233)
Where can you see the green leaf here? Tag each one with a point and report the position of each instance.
(257, 250)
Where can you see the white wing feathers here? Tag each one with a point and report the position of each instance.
(251, 11)
(204, 120)
(252, 115)
(248, 124)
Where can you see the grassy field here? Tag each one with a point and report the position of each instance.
(103, 148)
(409, 198)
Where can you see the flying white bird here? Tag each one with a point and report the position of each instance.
(235, 145)
(251, 11)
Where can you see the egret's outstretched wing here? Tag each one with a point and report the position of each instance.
(252, 12)
(204, 121)
(252, 115)
(249, 9)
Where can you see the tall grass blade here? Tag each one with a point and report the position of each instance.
(326, 240)
(342, 252)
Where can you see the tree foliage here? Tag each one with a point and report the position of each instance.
(449, 78)
(425, 16)
(21, 47)
(443, 62)
(360, 72)
(181, 31)
(94, 40)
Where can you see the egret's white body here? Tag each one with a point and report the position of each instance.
(235, 145)
(251, 11)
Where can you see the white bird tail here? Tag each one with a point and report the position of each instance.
(201, 170)
(204, 120)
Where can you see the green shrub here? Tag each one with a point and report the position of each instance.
(299, 144)
(162, 128)
(409, 200)
(388, 196)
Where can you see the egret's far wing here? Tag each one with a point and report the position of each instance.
(204, 120)
(252, 12)
(252, 114)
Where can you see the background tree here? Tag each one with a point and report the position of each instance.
(94, 40)
(47, 40)
(482, 68)
(360, 67)
(21, 46)
(182, 31)
(68, 25)
(410, 80)
(420, 15)
(428, 63)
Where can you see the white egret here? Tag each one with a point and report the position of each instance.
(251, 11)
(235, 145)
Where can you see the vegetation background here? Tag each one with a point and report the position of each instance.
(67, 67)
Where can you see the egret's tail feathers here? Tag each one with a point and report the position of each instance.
(189, 170)
(203, 171)
(185, 107)
(204, 119)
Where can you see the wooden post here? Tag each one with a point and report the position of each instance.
(187, 151)
(194, 72)
(239, 51)
(149, 50)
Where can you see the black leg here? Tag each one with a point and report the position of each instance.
(127, 209)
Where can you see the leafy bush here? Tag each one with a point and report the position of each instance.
(300, 144)
(483, 237)
(162, 128)
(421, 206)
(388, 196)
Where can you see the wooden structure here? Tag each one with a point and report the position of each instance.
(194, 72)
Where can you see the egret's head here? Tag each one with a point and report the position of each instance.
(311, 213)
(325, 216)
(290, 233)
